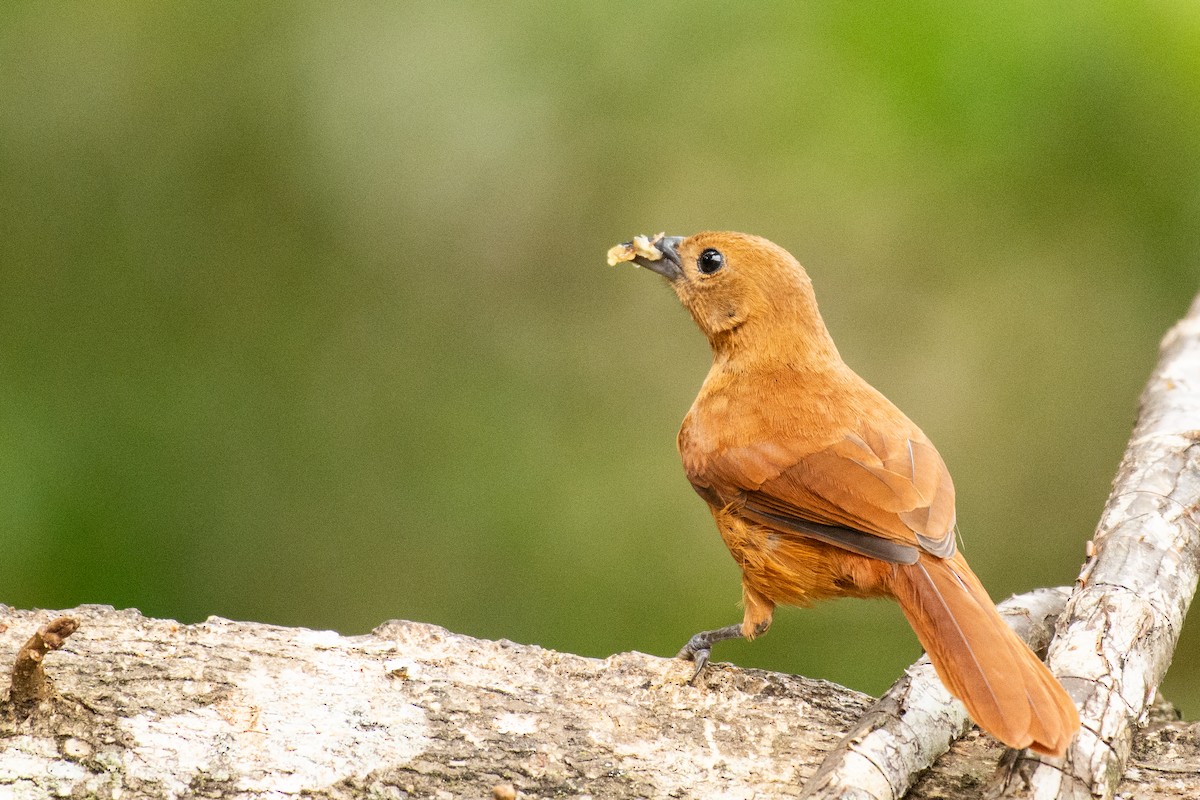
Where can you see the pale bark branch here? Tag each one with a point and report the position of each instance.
(917, 720)
(153, 709)
(1119, 631)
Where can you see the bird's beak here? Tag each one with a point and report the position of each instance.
(669, 265)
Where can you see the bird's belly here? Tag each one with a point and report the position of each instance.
(789, 569)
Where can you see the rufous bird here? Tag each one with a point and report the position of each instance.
(822, 488)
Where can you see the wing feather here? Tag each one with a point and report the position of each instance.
(884, 497)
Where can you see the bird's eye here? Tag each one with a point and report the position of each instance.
(710, 261)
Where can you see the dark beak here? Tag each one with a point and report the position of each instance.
(669, 265)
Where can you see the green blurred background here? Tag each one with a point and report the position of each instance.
(304, 315)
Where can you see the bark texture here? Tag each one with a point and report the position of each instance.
(152, 708)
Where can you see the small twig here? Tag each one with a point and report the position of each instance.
(29, 681)
(916, 720)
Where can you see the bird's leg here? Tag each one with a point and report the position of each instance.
(699, 647)
(759, 611)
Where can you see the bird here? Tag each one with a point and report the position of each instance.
(822, 488)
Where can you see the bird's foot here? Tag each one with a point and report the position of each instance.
(699, 647)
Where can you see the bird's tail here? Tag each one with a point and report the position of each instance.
(1007, 690)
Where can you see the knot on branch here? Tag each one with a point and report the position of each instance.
(30, 684)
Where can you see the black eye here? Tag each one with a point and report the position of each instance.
(710, 261)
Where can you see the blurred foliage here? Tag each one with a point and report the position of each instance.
(304, 316)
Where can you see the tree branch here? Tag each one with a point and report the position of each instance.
(1118, 634)
(151, 708)
(917, 720)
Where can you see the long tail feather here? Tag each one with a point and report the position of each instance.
(1007, 690)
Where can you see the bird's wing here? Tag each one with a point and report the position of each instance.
(884, 497)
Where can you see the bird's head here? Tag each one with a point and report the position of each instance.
(745, 292)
